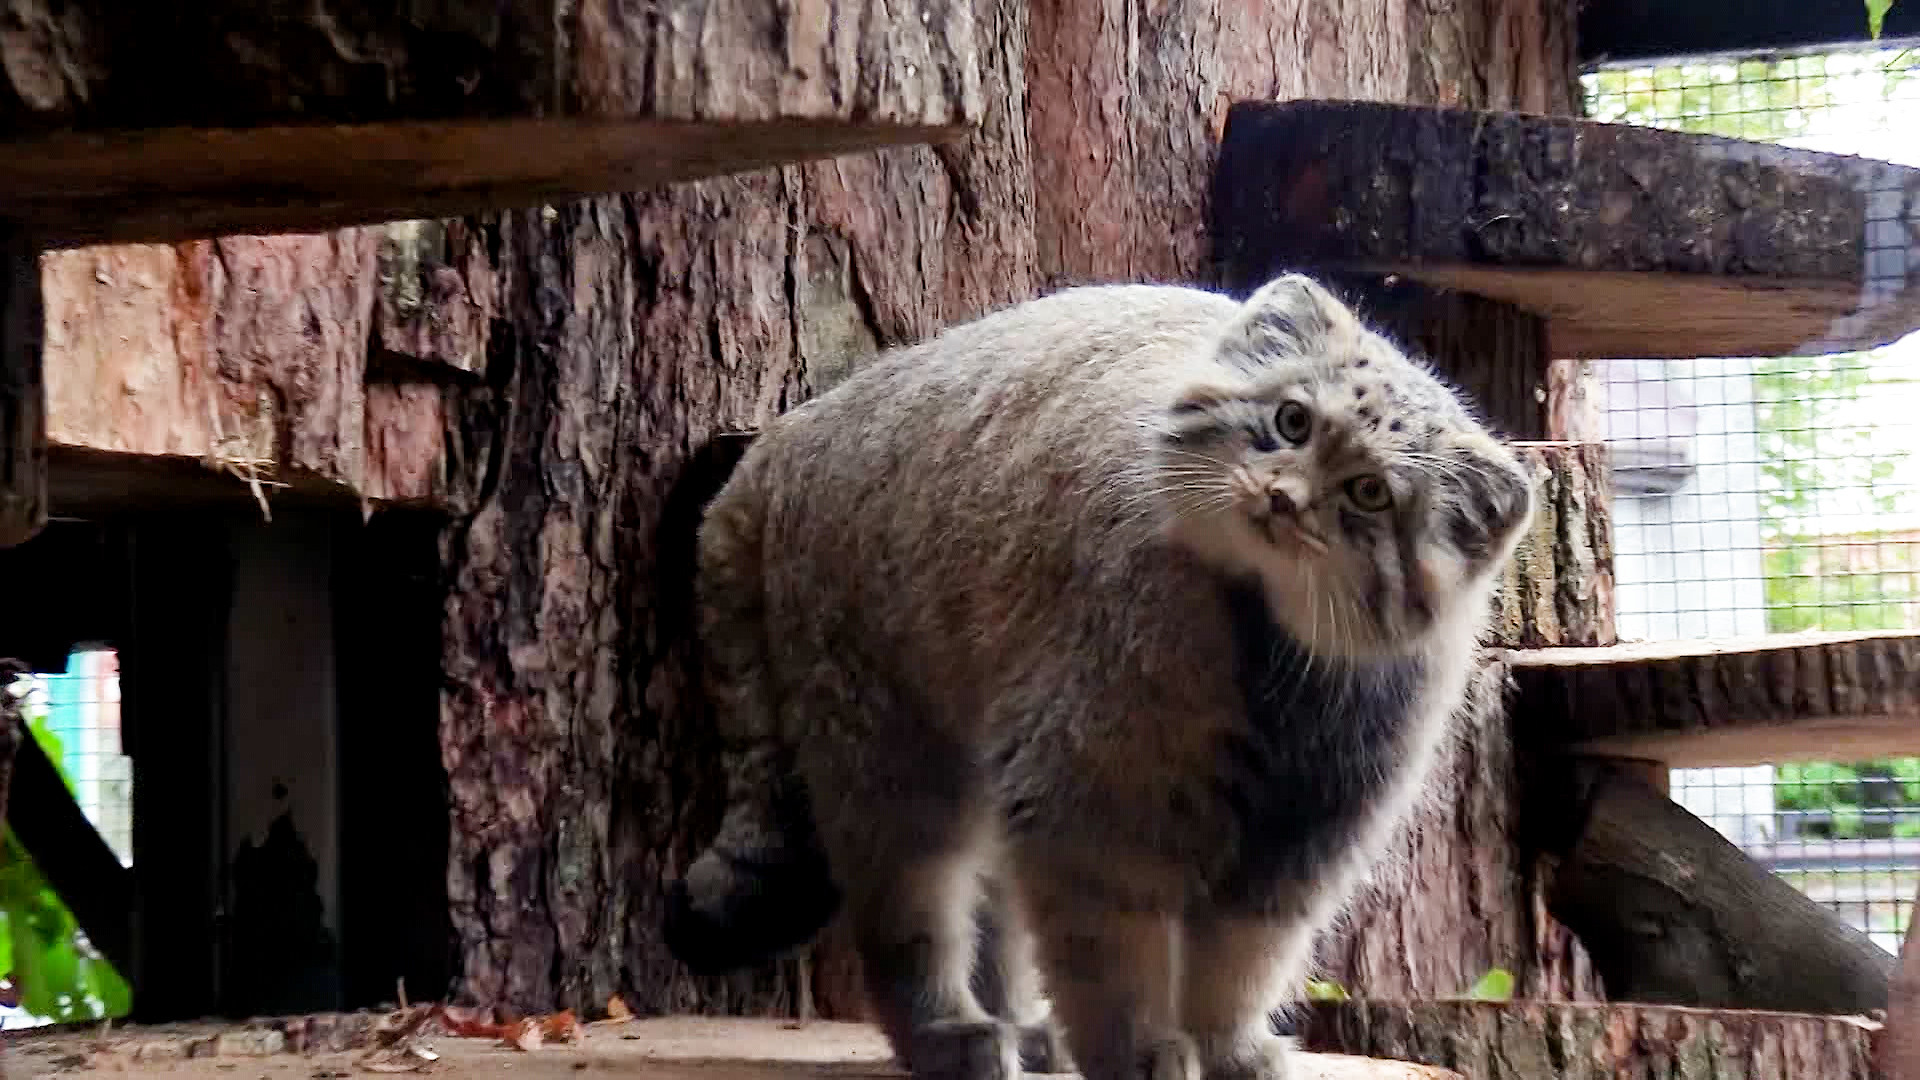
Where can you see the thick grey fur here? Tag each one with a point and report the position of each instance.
(1066, 640)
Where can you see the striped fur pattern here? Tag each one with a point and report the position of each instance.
(1105, 638)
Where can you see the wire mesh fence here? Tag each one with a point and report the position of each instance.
(1772, 495)
(1846, 835)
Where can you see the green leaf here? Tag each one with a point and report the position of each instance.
(1325, 991)
(1877, 15)
(1495, 985)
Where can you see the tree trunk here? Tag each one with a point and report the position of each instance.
(1673, 913)
(632, 331)
(1559, 588)
(1532, 1041)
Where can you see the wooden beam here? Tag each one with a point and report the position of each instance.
(123, 122)
(1673, 913)
(1627, 241)
(1816, 696)
(1534, 1040)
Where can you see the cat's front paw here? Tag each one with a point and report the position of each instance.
(1172, 1057)
(985, 1050)
(1043, 1049)
(1263, 1058)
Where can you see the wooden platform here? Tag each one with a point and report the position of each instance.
(1629, 241)
(158, 122)
(676, 1048)
(1787, 697)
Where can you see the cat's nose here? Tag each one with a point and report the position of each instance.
(1287, 496)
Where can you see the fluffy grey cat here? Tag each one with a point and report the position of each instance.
(1091, 647)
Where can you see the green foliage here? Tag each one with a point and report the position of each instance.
(1317, 990)
(57, 974)
(1877, 16)
(1495, 985)
(1856, 801)
(1807, 448)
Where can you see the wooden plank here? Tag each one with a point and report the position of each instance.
(123, 122)
(666, 1048)
(1628, 241)
(1810, 696)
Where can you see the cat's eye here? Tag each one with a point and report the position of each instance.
(1370, 493)
(1294, 422)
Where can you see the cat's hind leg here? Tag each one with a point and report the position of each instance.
(909, 839)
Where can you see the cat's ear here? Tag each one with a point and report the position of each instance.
(1289, 316)
(1490, 501)
(1201, 397)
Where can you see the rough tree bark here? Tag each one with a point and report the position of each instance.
(1559, 588)
(630, 332)
(1672, 913)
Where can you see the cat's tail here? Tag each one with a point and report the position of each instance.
(763, 885)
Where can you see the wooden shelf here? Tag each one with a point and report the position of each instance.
(1811, 696)
(160, 122)
(672, 1048)
(1629, 241)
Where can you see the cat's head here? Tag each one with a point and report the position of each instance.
(1351, 481)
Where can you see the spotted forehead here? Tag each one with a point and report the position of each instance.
(1391, 398)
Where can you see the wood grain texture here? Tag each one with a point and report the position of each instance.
(1628, 241)
(1809, 696)
(1532, 1040)
(229, 117)
(1558, 590)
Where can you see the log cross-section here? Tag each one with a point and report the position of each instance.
(1629, 241)
(1812, 696)
(134, 121)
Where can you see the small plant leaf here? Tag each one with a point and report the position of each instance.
(1877, 16)
(1495, 985)
(1325, 991)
